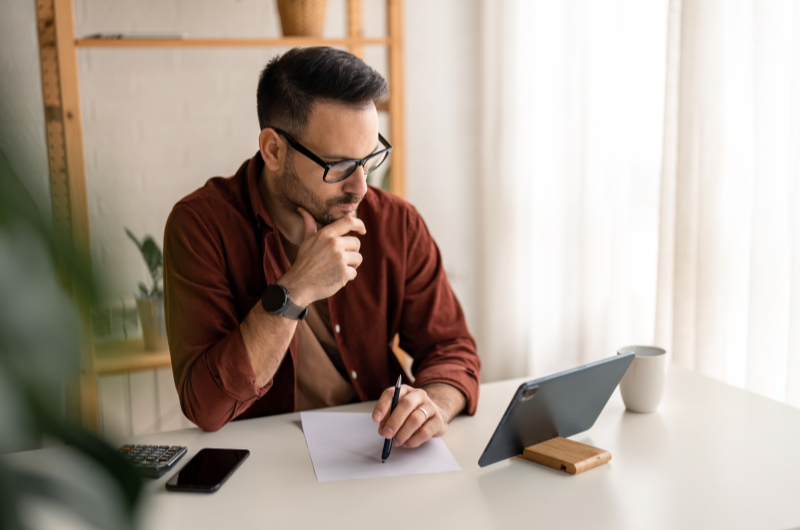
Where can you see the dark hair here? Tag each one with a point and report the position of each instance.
(291, 83)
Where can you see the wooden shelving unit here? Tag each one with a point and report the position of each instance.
(215, 43)
(128, 356)
(64, 130)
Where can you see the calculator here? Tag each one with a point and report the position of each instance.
(152, 461)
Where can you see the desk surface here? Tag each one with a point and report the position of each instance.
(713, 457)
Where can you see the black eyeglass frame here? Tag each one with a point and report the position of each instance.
(300, 148)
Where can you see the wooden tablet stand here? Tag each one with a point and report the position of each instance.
(569, 455)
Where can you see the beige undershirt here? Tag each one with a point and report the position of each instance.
(322, 379)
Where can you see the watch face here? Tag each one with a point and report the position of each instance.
(275, 298)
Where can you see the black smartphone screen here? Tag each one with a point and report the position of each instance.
(207, 470)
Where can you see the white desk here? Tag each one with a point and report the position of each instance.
(713, 457)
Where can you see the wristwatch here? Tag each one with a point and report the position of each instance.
(276, 300)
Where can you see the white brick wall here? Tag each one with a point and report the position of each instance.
(442, 120)
(158, 123)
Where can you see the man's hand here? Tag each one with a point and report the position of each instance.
(420, 415)
(326, 261)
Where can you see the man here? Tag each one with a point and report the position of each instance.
(286, 283)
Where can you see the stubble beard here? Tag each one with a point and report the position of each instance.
(293, 193)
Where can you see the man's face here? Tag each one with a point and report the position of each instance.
(333, 133)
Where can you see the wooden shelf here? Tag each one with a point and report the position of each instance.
(213, 43)
(128, 356)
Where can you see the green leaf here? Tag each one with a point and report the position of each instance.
(152, 255)
(154, 259)
(23, 361)
(17, 205)
(97, 450)
(133, 238)
(143, 290)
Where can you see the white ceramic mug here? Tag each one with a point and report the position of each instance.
(643, 383)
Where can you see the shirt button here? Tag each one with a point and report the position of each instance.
(337, 328)
(353, 374)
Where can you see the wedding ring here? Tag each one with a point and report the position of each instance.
(424, 412)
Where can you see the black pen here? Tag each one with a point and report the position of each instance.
(387, 443)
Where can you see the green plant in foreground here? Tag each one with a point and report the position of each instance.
(154, 259)
(40, 336)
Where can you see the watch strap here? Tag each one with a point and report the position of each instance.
(294, 311)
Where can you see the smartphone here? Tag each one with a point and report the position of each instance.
(207, 470)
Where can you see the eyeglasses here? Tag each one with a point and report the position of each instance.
(338, 171)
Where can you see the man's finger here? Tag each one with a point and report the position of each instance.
(347, 224)
(384, 405)
(309, 224)
(405, 407)
(351, 243)
(424, 433)
(415, 420)
(353, 259)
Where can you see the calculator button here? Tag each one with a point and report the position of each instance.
(153, 460)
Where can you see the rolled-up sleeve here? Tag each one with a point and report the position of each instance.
(212, 371)
(433, 328)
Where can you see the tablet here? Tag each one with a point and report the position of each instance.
(561, 404)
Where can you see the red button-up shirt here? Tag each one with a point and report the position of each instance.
(221, 250)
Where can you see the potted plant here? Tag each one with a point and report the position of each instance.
(150, 302)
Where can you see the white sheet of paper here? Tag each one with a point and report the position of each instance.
(346, 445)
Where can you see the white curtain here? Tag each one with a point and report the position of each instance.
(640, 171)
(572, 127)
(729, 278)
